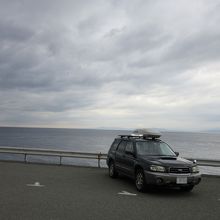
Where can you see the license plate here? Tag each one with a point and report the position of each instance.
(181, 180)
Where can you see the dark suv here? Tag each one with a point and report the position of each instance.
(151, 161)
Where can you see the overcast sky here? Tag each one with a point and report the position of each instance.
(110, 63)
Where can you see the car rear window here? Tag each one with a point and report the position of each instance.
(121, 147)
(115, 144)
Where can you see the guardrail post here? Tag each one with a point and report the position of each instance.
(99, 158)
(25, 158)
(60, 160)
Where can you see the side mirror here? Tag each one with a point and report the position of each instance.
(177, 154)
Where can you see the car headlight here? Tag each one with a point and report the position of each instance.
(195, 169)
(156, 168)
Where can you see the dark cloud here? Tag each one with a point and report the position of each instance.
(10, 31)
(93, 63)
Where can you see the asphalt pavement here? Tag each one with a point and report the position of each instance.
(31, 191)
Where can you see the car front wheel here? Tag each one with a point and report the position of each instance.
(140, 180)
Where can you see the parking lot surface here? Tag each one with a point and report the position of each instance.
(31, 191)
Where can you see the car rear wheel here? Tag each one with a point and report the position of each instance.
(140, 180)
(112, 171)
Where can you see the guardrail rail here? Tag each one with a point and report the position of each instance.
(82, 155)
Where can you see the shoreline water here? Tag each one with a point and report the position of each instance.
(188, 144)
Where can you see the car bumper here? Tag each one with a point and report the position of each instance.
(155, 178)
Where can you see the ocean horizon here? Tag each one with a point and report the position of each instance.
(197, 145)
(205, 145)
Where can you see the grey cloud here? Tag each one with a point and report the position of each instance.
(10, 31)
(146, 38)
(46, 101)
(89, 26)
(203, 47)
(82, 56)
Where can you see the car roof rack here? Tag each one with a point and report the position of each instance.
(145, 137)
(130, 136)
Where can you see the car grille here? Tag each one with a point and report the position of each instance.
(179, 170)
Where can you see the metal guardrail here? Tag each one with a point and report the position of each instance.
(206, 162)
(55, 153)
(96, 156)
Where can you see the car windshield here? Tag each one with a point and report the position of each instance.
(154, 148)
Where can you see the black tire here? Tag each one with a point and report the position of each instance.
(186, 188)
(140, 180)
(112, 171)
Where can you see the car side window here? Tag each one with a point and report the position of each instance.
(115, 144)
(129, 147)
(121, 147)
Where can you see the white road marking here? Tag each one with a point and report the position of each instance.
(36, 184)
(126, 193)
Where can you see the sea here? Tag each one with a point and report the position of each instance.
(189, 144)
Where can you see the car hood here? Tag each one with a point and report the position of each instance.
(167, 161)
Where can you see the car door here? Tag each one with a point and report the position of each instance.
(120, 156)
(129, 158)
